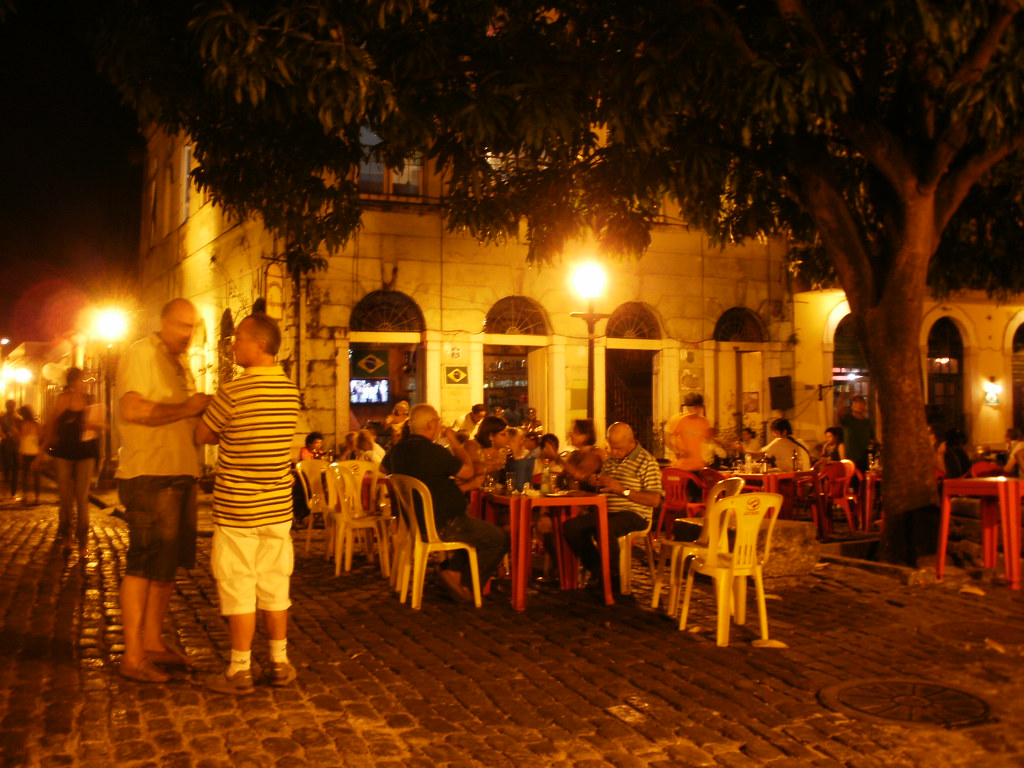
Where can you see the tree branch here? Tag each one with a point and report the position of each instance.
(952, 191)
(840, 233)
(981, 56)
(955, 135)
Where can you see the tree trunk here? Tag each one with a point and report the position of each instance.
(892, 334)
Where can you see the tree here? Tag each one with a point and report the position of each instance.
(883, 139)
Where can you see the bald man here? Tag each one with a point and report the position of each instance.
(632, 479)
(438, 468)
(157, 409)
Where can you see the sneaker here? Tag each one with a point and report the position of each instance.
(237, 684)
(281, 673)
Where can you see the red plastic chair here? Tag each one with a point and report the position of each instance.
(836, 491)
(986, 469)
(676, 484)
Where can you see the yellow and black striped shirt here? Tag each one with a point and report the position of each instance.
(255, 416)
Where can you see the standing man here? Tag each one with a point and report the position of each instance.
(632, 479)
(157, 406)
(253, 418)
(438, 468)
(688, 434)
(858, 429)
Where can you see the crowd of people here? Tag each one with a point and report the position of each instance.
(163, 421)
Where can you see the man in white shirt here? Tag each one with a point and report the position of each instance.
(784, 445)
(159, 462)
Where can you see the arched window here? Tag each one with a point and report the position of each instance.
(945, 375)
(387, 311)
(516, 315)
(633, 320)
(740, 324)
(1018, 377)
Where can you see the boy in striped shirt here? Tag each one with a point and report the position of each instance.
(253, 419)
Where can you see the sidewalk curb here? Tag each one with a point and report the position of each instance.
(911, 577)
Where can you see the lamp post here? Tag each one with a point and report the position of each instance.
(110, 326)
(588, 281)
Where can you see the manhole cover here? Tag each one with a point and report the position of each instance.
(979, 632)
(908, 702)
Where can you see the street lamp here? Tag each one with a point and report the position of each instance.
(109, 325)
(588, 280)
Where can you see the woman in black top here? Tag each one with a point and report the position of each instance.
(72, 439)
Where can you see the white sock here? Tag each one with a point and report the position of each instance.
(278, 651)
(241, 661)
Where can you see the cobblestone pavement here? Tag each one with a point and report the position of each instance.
(569, 682)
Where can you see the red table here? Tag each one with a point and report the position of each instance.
(1007, 493)
(521, 508)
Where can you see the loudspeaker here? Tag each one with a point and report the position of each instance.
(780, 391)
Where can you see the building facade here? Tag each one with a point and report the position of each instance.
(409, 311)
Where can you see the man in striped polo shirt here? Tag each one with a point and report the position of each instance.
(632, 479)
(253, 419)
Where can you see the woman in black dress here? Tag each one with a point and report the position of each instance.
(72, 440)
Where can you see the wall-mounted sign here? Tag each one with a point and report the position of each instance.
(456, 374)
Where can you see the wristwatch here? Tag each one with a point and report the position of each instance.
(627, 492)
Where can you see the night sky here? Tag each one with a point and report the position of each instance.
(70, 180)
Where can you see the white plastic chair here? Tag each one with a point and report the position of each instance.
(411, 561)
(678, 550)
(626, 556)
(349, 518)
(729, 565)
(318, 498)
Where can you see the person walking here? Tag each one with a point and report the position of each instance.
(72, 440)
(253, 419)
(9, 446)
(29, 440)
(157, 406)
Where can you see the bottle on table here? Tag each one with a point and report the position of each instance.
(545, 477)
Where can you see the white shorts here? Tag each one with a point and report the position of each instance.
(252, 567)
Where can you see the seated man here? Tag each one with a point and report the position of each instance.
(632, 479)
(782, 448)
(420, 457)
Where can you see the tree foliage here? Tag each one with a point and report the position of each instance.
(578, 115)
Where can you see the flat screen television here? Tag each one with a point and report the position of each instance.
(369, 391)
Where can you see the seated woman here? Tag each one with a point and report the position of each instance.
(951, 458)
(519, 465)
(314, 447)
(832, 449)
(585, 460)
(368, 449)
(489, 451)
(348, 450)
(750, 443)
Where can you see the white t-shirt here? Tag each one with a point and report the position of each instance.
(150, 369)
(781, 449)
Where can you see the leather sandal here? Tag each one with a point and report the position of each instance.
(170, 654)
(145, 672)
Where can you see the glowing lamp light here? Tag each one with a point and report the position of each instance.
(993, 390)
(588, 280)
(19, 375)
(111, 325)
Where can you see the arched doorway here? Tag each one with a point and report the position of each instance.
(514, 374)
(945, 407)
(850, 374)
(629, 372)
(739, 401)
(387, 368)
